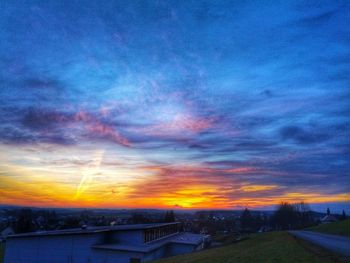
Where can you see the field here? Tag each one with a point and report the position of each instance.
(279, 247)
(337, 228)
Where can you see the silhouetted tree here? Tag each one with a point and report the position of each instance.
(328, 211)
(303, 214)
(258, 222)
(139, 219)
(172, 216)
(285, 217)
(343, 216)
(25, 221)
(247, 220)
(169, 216)
(292, 216)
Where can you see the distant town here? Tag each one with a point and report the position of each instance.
(16, 220)
(139, 235)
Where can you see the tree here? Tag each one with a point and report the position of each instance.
(304, 215)
(25, 221)
(247, 220)
(71, 222)
(328, 211)
(285, 217)
(343, 216)
(258, 222)
(138, 218)
(169, 216)
(292, 216)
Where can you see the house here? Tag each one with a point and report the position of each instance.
(6, 232)
(328, 219)
(118, 244)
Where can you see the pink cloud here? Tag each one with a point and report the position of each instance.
(96, 128)
(107, 131)
(180, 124)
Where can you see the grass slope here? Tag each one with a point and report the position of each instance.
(2, 252)
(279, 247)
(337, 228)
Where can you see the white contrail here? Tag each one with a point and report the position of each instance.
(89, 172)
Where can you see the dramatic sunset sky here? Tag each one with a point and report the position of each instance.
(174, 104)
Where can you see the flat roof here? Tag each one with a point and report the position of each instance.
(92, 230)
(178, 238)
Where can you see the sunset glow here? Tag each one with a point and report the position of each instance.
(174, 106)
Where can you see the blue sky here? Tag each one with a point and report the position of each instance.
(189, 104)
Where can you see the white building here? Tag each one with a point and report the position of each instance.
(116, 244)
(328, 219)
(6, 232)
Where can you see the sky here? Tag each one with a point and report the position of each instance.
(175, 104)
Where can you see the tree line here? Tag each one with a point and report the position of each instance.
(286, 216)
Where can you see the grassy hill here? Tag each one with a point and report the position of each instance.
(337, 228)
(279, 247)
(2, 251)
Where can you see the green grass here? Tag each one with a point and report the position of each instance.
(279, 247)
(224, 239)
(337, 228)
(2, 252)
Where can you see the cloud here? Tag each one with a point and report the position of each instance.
(302, 135)
(43, 83)
(203, 187)
(194, 115)
(179, 125)
(10, 134)
(44, 119)
(100, 130)
(321, 18)
(47, 125)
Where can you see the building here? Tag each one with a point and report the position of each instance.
(6, 232)
(328, 219)
(114, 244)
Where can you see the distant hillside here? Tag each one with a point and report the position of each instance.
(337, 228)
(278, 247)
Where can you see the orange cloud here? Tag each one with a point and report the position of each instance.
(255, 188)
(150, 186)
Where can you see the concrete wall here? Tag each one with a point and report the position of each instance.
(109, 256)
(77, 249)
(157, 253)
(169, 251)
(52, 249)
(176, 249)
(126, 237)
